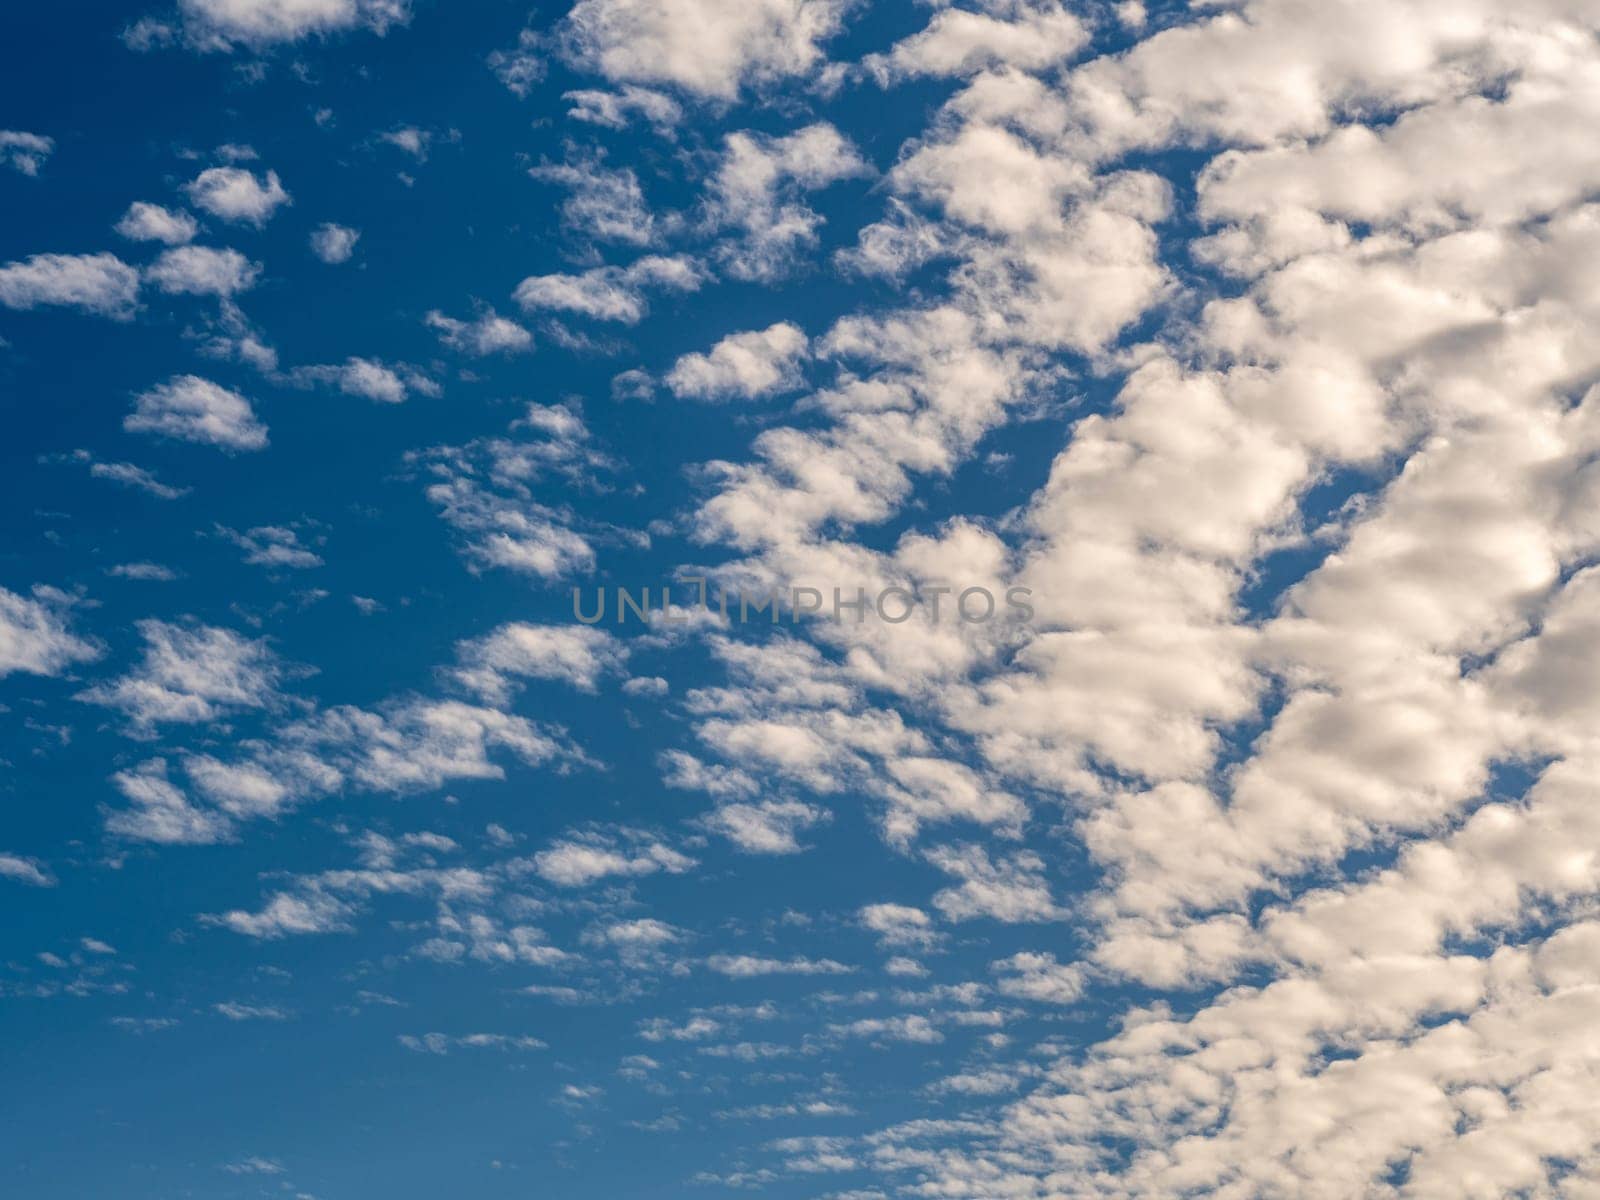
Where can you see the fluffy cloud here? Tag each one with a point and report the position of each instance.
(759, 363)
(771, 827)
(145, 222)
(35, 637)
(221, 24)
(579, 863)
(235, 194)
(578, 655)
(604, 203)
(487, 333)
(610, 293)
(334, 243)
(192, 409)
(202, 271)
(756, 193)
(750, 966)
(485, 491)
(709, 48)
(191, 675)
(25, 152)
(97, 283)
(25, 870)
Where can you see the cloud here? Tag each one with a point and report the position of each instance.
(577, 863)
(34, 634)
(161, 813)
(613, 110)
(907, 1028)
(1040, 34)
(771, 827)
(604, 203)
(222, 24)
(151, 223)
(522, 67)
(1033, 976)
(368, 378)
(485, 334)
(25, 870)
(191, 674)
(150, 571)
(755, 192)
(129, 475)
(644, 933)
(334, 243)
(97, 283)
(440, 1043)
(235, 1011)
(899, 924)
(750, 966)
(192, 409)
(25, 152)
(610, 293)
(1011, 890)
(710, 48)
(202, 271)
(485, 490)
(235, 194)
(762, 362)
(578, 655)
(272, 546)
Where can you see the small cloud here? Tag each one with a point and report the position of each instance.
(334, 243)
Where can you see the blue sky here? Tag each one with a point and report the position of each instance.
(341, 340)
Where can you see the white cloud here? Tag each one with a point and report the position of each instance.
(522, 67)
(273, 546)
(202, 271)
(153, 572)
(25, 152)
(220, 24)
(235, 194)
(614, 109)
(161, 813)
(34, 634)
(771, 827)
(750, 966)
(1033, 976)
(192, 674)
(235, 1011)
(604, 203)
(25, 870)
(578, 655)
(145, 222)
(1011, 890)
(133, 476)
(334, 243)
(441, 1043)
(192, 409)
(487, 333)
(485, 490)
(368, 378)
(98, 283)
(758, 363)
(644, 933)
(580, 863)
(906, 1028)
(899, 925)
(1040, 34)
(409, 138)
(707, 47)
(756, 192)
(610, 293)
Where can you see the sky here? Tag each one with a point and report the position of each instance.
(1242, 353)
